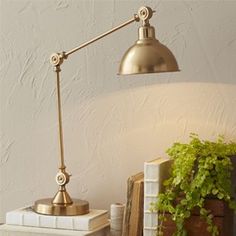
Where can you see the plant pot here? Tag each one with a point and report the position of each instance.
(195, 226)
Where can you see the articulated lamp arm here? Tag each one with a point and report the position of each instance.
(57, 59)
(144, 14)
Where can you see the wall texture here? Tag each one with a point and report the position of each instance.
(112, 124)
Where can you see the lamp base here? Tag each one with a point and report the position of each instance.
(47, 207)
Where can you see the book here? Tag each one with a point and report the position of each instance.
(155, 172)
(136, 215)
(27, 217)
(13, 230)
(133, 219)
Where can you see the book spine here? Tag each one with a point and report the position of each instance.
(149, 232)
(26, 217)
(151, 189)
(154, 175)
(31, 219)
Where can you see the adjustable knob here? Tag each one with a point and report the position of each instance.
(62, 178)
(145, 13)
(56, 59)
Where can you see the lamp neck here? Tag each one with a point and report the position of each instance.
(146, 32)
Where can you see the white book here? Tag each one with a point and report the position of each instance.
(147, 202)
(155, 172)
(149, 232)
(27, 217)
(13, 230)
(150, 220)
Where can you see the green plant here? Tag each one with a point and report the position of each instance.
(200, 169)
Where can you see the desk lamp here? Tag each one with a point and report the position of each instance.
(147, 55)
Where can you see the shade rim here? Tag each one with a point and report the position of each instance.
(151, 72)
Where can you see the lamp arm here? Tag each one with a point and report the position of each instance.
(135, 18)
(57, 69)
(57, 59)
(144, 14)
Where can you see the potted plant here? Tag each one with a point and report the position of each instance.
(200, 170)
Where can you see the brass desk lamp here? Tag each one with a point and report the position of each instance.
(147, 55)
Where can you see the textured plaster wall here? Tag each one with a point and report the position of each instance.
(112, 124)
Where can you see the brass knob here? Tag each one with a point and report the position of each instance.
(145, 13)
(62, 178)
(55, 59)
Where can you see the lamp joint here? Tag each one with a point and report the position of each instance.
(62, 177)
(56, 59)
(144, 14)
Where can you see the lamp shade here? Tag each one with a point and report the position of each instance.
(147, 55)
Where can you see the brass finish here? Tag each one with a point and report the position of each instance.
(58, 70)
(148, 55)
(46, 207)
(144, 14)
(62, 197)
(57, 59)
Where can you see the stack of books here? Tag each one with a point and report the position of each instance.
(155, 172)
(95, 223)
(133, 217)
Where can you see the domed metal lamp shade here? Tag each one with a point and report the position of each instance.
(147, 55)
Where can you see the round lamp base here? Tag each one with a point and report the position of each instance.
(46, 207)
